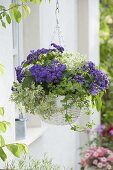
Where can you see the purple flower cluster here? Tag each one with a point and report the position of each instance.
(48, 74)
(35, 54)
(58, 47)
(19, 73)
(100, 80)
(80, 79)
(99, 128)
(93, 89)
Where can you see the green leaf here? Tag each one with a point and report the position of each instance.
(11, 11)
(7, 123)
(13, 149)
(36, 1)
(17, 15)
(0, 16)
(90, 124)
(2, 141)
(8, 19)
(17, 149)
(3, 155)
(2, 7)
(27, 82)
(1, 111)
(98, 103)
(26, 10)
(3, 24)
(69, 118)
(3, 127)
(75, 127)
(25, 147)
(4, 14)
(25, 1)
(14, 12)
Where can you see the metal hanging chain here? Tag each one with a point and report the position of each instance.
(57, 30)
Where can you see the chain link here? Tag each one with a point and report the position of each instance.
(57, 31)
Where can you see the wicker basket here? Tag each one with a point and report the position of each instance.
(59, 118)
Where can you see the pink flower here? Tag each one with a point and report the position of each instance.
(99, 157)
(95, 154)
(95, 162)
(84, 163)
(87, 155)
(110, 158)
(109, 167)
(100, 151)
(99, 165)
(103, 159)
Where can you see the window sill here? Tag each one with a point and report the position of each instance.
(33, 134)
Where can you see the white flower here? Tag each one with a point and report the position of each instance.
(99, 165)
(87, 155)
(103, 159)
(109, 167)
(95, 162)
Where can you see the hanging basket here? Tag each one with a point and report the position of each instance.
(59, 118)
(48, 73)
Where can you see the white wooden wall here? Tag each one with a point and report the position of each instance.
(79, 23)
(6, 58)
(88, 41)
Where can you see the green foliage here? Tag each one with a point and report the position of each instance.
(106, 56)
(1, 111)
(29, 163)
(16, 11)
(15, 149)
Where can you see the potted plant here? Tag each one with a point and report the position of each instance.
(58, 86)
(97, 158)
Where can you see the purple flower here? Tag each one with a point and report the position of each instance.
(100, 128)
(80, 79)
(19, 74)
(98, 78)
(35, 54)
(58, 47)
(89, 65)
(93, 89)
(111, 132)
(48, 74)
(31, 57)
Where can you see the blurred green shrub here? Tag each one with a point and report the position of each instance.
(29, 163)
(106, 55)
